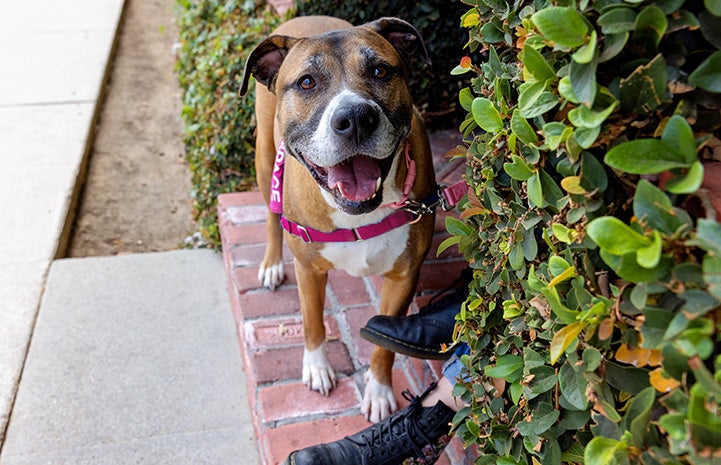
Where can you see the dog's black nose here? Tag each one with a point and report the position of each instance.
(355, 122)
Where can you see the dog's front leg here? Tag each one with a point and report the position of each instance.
(378, 398)
(271, 272)
(318, 374)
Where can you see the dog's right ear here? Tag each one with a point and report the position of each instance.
(265, 60)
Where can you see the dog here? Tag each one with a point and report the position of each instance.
(335, 115)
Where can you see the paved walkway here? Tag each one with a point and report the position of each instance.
(133, 360)
(54, 57)
(286, 415)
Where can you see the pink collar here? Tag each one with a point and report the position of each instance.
(407, 211)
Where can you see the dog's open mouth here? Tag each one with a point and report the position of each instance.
(356, 183)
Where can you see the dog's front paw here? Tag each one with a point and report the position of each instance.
(378, 399)
(271, 276)
(318, 374)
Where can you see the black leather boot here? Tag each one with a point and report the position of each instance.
(413, 435)
(423, 334)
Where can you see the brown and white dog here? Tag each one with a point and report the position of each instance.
(337, 97)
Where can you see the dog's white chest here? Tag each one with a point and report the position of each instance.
(372, 256)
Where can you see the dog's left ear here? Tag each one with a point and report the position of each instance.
(265, 60)
(403, 36)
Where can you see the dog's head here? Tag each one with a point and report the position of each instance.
(343, 104)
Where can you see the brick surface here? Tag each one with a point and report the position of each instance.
(348, 290)
(286, 415)
(279, 332)
(355, 319)
(291, 401)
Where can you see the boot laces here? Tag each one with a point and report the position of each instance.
(390, 430)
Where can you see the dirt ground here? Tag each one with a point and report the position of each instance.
(137, 195)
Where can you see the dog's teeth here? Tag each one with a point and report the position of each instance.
(378, 184)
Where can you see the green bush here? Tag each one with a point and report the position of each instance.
(437, 21)
(594, 314)
(216, 36)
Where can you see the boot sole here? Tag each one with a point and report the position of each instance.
(402, 347)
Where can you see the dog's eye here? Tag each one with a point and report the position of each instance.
(306, 83)
(380, 72)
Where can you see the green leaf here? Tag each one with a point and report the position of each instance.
(645, 88)
(508, 367)
(522, 129)
(626, 378)
(532, 359)
(592, 358)
(534, 100)
(535, 192)
(551, 192)
(557, 265)
(448, 242)
(628, 268)
(707, 75)
(518, 169)
(653, 207)
(563, 339)
(708, 236)
(584, 117)
(613, 45)
(687, 183)
(593, 173)
(602, 451)
(553, 134)
(617, 20)
(566, 27)
(638, 416)
(651, 22)
(587, 52)
(563, 313)
(697, 303)
(573, 386)
(713, 6)
(654, 326)
(649, 257)
(535, 65)
(465, 97)
(565, 88)
(645, 156)
(616, 237)
(486, 115)
(712, 275)
(583, 81)
(544, 417)
(679, 134)
(458, 227)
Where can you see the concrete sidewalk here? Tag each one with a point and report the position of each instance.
(133, 359)
(54, 57)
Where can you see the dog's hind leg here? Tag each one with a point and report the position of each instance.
(271, 272)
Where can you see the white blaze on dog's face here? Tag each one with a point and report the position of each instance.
(345, 110)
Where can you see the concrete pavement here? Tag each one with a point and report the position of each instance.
(54, 57)
(131, 359)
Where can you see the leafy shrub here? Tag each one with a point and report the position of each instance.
(437, 22)
(594, 315)
(216, 36)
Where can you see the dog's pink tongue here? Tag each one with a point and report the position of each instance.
(355, 178)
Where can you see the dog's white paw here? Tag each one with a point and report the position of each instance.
(271, 276)
(378, 399)
(318, 374)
